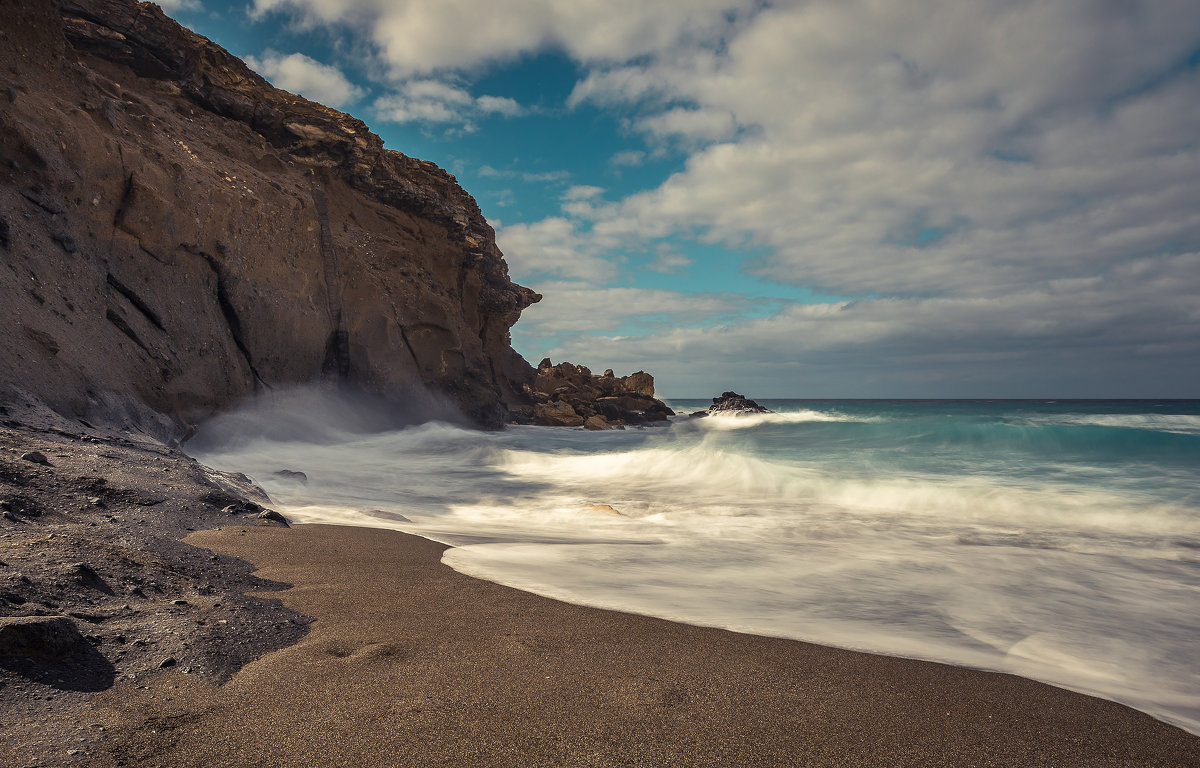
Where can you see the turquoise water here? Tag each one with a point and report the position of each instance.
(1055, 540)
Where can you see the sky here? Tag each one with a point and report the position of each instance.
(815, 198)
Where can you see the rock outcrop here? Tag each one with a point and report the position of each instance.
(177, 234)
(733, 404)
(569, 395)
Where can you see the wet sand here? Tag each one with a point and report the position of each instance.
(412, 664)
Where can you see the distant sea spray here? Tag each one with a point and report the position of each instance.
(1054, 540)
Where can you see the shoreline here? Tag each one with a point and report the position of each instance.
(409, 662)
(380, 654)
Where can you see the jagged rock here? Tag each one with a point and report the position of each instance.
(235, 236)
(619, 401)
(556, 414)
(640, 383)
(39, 637)
(596, 422)
(271, 517)
(734, 404)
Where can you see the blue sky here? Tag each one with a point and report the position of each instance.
(823, 199)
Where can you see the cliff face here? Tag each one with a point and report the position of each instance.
(176, 234)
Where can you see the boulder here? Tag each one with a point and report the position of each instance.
(733, 404)
(36, 457)
(39, 637)
(243, 507)
(596, 402)
(556, 414)
(271, 517)
(640, 383)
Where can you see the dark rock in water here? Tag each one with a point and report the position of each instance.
(39, 637)
(569, 395)
(557, 414)
(732, 403)
(271, 517)
(36, 457)
(291, 474)
(383, 514)
(596, 423)
(243, 507)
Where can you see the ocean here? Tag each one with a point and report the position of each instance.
(1056, 540)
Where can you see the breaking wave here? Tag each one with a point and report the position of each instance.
(1056, 541)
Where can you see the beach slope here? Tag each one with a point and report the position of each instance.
(411, 663)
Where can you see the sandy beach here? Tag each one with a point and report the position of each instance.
(411, 663)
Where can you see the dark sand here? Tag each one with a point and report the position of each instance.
(412, 664)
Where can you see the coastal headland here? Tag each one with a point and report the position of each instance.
(177, 236)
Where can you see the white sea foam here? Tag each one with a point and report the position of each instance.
(1183, 424)
(1076, 575)
(726, 420)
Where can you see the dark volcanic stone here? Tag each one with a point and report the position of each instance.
(36, 457)
(40, 637)
(271, 517)
(243, 507)
(733, 403)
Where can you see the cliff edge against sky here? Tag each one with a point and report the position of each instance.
(178, 234)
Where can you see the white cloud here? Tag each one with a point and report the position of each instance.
(583, 192)
(415, 37)
(435, 101)
(690, 125)
(574, 306)
(552, 247)
(668, 262)
(308, 77)
(501, 105)
(628, 157)
(883, 142)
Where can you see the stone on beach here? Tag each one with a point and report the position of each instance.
(271, 517)
(39, 637)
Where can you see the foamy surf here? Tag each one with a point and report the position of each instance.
(1024, 538)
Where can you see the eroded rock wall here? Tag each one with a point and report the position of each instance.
(176, 234)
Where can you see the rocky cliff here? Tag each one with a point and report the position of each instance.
(177, 234)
